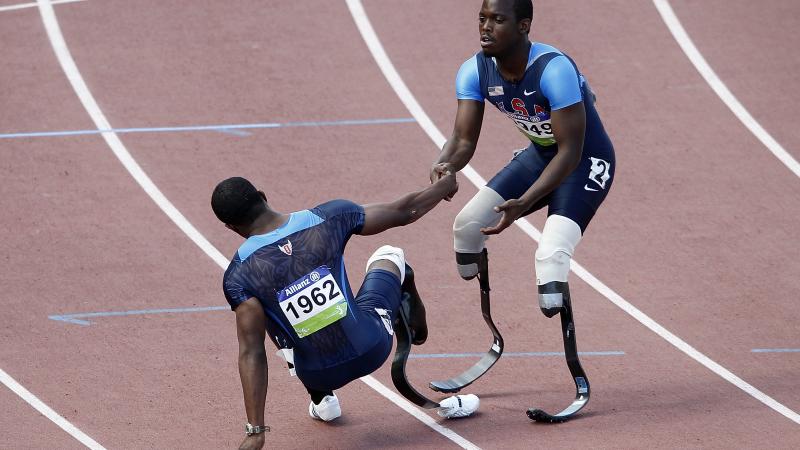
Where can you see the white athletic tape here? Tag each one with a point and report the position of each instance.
(392, 254)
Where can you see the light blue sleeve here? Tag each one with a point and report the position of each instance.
(560, 83)
(468, 85)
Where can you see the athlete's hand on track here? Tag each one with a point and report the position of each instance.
(444, 170)
(254, 442)
(511, 210)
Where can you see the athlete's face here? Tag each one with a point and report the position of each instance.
(499, 28)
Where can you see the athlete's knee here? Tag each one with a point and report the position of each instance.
(556, 247)
(391, 255)
(467, 237)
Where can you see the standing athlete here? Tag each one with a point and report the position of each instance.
(568, 166)
(288, 279)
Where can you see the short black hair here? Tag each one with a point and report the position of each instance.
(523, 9)
(236, 201)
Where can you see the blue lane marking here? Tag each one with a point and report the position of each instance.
(231, 128)
(775, 350)
(511, 354)
(76, 318)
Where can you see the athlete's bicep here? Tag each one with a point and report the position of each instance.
(469, 119)
(250, 325)
(569, 127)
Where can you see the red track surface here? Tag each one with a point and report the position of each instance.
(700, 231)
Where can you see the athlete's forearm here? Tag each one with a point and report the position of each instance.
(416, 204)
(457, 152)
(253, 373)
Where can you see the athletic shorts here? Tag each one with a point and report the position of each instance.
(578, 196)
(381, 289)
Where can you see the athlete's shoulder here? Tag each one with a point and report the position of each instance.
(559, 80)
(468, 84)
(336, 207)
(234, 283)
(540, 48)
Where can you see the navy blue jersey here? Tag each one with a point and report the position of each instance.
(297, 273)
(551, 82)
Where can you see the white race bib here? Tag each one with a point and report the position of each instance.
(540, 132)
(313, 302)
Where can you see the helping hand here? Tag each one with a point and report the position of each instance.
(511, 210)
(438, 170)
(443, 172)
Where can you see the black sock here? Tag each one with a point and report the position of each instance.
(317, 396)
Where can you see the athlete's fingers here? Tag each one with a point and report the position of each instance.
(502, 225)
(511, 210)
(454, 187)
(440, 170)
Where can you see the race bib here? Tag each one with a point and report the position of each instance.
(313, 302)
(540, 132)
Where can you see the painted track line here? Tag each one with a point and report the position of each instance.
(78, 318)
(393, 77)
(79, 86)
(48, 412)
(33, 5)
(222, 128)
(722, 91)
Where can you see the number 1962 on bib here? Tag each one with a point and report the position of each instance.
(313, 302)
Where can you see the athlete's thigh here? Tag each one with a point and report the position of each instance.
(520, 173)
(580, 195)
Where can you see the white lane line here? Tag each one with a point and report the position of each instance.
(408, 99)
(33, 5)
(48, 412)
(79, 86)
(722, 91)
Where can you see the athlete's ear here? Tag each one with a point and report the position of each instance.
(524, 26)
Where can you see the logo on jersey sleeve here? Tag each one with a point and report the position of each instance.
(286, 248)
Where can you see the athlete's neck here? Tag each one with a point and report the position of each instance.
(513, 63)
(269, 221)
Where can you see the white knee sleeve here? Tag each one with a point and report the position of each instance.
(393, 254)
(477, 213)
(559, 238)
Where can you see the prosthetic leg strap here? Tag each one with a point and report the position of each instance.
(457, 383)
(403, 333)
(575, 369)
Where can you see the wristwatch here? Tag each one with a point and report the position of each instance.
(251, 430)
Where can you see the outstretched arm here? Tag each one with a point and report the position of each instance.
(380, 217)
(458, 150)
(569, 126)
(251, 330)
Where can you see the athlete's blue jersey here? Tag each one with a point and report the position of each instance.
(297, 273)
(551, 82)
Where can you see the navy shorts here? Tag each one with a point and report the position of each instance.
(578, 196)
(381, 289)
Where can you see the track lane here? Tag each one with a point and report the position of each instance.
(409, 45)
(752, 50)
(172, 170)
